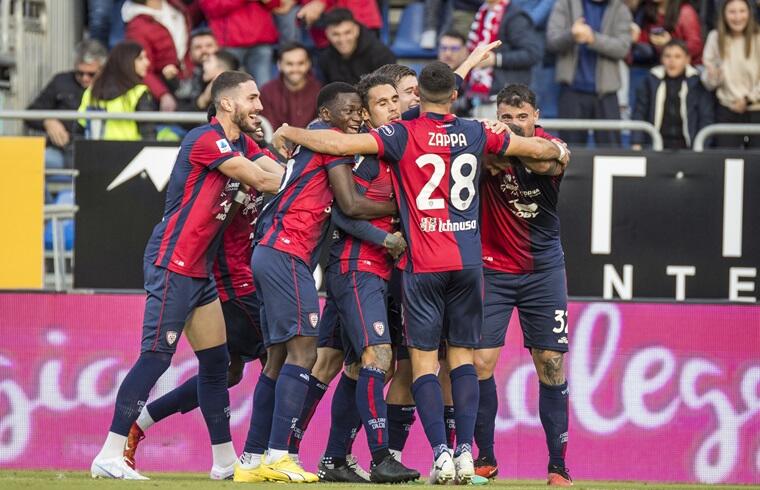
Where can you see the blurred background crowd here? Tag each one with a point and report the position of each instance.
(677, 64)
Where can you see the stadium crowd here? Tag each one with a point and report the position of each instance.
(677, 65)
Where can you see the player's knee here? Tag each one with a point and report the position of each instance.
(302, 352)
(550, 364)
(234, 371)
(484, 365)
(378, 357)
(275, 359)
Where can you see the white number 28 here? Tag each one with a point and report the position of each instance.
(461, 182)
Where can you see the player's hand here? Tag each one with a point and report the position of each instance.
(167, 103)
(497, 127)
(565, 157)
(279, 142)
(483, 53)
(395, 244)
(57, 132)
(310, 12)
(284, 8)
(170, 71)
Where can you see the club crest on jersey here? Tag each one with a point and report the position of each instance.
(314, 319)
(387, 129)
(428, 224)
(223, 146)
(171, 337)
(379, 328)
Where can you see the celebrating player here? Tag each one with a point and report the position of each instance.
(524, 268)
(212, 161)
(289, 231)
(435, 161)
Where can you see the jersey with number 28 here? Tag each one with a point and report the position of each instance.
(436, 168)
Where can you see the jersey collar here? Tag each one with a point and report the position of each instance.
(439, 117)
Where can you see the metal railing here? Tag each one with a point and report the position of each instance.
(606, 125)
(707, 131)
(56, 213)
(140, 116)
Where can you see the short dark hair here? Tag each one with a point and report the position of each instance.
(437, 82)
(337, 16)
(395, 72)
(330, 92)
(225, 81)
(290, 46)
(455, 35)
(515, 95)
(201, 31)
(676, 43)
(370, 81)
(228, 60)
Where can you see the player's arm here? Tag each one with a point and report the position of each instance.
(478, 55)
(326, 141)
(350, 201)
(546, 167)
(253, 174)
(538, 149)
(366, 231)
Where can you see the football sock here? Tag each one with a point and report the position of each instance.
(223, 454)
(552, 408)
(352, 436)
(317, 390)
(451, 425)
(429, 399)
(372, 409)
(344, 417)
(464, 391)
(485, 425)
(135, 388)
(213, 397)
(183, 398)
(261, 416)
(144, 420)
(249, 461)
(275, 454)
(400, 420)
(290, 394)
(113, 447)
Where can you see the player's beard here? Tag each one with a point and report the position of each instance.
(241, 119)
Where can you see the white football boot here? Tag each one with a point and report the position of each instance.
(114, 468)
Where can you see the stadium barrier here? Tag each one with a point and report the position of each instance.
(707, 131)
(636, 225)
(658, 392)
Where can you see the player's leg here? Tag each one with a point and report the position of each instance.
(464, 318)
(328, 364)
(498, 304)
(543, 316)
(424, 306)
(168, 305)
(444, 377)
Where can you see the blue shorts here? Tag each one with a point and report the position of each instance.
(242, 319)
(287, 294)
(171, 299)
(541, 301)
(443, 306)
(330, 331)
(359, 298)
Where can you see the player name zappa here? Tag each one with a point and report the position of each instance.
(445, 139)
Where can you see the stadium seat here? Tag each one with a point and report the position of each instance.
(64, 197)
(407, 42)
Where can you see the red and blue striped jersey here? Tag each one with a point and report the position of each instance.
(373, 180)
(436, 169)
(296, 219)
(198, 198)
(520, 224)
(232, 267)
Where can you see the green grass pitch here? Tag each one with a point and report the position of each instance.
(70, 480)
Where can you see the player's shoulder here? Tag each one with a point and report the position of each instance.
(394, 128)
(201, 135)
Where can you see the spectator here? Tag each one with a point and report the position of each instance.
(292, 97)
(366, 13)
(247, 30)
(99, 19)
(119, 87)
(353, 51)
(162, 27)
(452, 49)
(202, 45)
(732, 66)
(663, 20)
(590, 37)
(673, 99)
(286, 21)
(64, 93)
(213, 66)
(513, 61)
(405, 81)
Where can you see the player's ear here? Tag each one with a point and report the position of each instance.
(226, 104)
(537, 114)
(324, 114)
(454, 95)
(365, 114)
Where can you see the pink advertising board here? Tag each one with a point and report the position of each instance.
(659, 392)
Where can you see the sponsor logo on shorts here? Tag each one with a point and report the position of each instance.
(223, 146)
(314, 319)
(562, 340)
(171, 337)
(379, 327)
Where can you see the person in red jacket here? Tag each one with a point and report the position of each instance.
(364, 12)
(246, 29)
(162, 27)
(659, 22)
